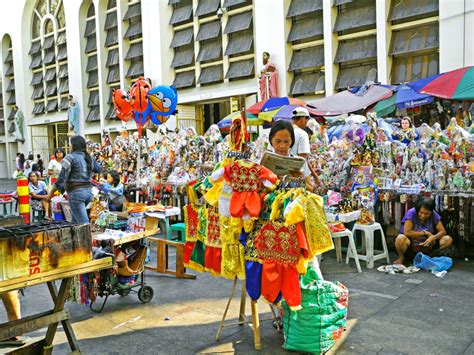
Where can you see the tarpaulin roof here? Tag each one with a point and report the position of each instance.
(345, 102)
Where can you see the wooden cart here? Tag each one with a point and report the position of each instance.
(53, 317)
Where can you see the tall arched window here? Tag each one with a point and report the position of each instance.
(49, 57)
(90, 34)
(112, 49)
(9, 84)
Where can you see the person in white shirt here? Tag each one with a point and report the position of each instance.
(301, 147)
(299, 120)
(54, 166)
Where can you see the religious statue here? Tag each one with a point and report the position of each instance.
(73, 115)
(268, 79)
(407, 133)
(19, 125)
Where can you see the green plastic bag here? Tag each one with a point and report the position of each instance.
(317, 326)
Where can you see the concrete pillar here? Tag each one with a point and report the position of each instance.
(383, 39)
(330, 46)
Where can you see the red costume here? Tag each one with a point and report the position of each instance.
(280, 247)
(245, 177)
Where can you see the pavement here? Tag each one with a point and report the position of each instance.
(388, 314)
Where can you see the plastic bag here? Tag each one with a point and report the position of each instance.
(317, 326)
(440, 263)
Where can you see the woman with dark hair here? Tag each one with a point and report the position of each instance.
(54, 166)
(75, 178)
(422, 230)
(282, 138)
(39, 195)
(114, 190)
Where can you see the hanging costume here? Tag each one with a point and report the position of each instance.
(213, 254)
(280, 247)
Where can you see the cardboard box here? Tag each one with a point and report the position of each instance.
(25, 254)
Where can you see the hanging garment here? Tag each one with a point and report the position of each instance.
(253, 264)
(213, 255)
(245, 177)
(191, 221)
(280, 247)
(308, 208)
(233, 263)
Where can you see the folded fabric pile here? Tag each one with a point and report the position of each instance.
(396, 268)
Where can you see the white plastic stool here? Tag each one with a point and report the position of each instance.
(351, 247)
(368, 240)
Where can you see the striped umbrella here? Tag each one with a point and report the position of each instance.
(226, 122)
(455, 85)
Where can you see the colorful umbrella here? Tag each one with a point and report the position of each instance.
(273, 104)
(455, 85)
(226, 122)
(403, 97)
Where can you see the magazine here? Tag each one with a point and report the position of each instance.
(282, 165)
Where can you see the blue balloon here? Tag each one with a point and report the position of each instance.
(162, 101)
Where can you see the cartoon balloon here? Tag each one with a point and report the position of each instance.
(122, 101)
(139, 93)
(123, 117)
(162, 101)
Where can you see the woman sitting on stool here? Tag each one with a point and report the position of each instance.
(422, 230)
(39, 195)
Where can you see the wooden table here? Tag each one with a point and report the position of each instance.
(164, 218)
(53, 317)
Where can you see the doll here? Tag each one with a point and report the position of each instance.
(407, 132)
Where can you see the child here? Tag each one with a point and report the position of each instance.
(114, 190)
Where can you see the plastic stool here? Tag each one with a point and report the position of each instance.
(181, 229)
(351, 248)
(368, 240)
(38, 215)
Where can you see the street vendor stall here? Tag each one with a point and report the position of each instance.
(44, 253)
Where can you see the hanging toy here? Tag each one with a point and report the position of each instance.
(122, 102)
(139, 94)
(162, 101)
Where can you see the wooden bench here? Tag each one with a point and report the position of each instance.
(162, 258)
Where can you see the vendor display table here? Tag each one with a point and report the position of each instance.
(343, 217)
(48, 318)
(164, 218)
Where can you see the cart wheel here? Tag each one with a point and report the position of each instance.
(145, 294)
(123, 292)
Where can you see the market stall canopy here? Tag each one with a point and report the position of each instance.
(273, 103)
(403, 97)
(346, 101)
(455, 85)
(226, 122)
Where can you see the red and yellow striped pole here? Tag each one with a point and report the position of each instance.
(23, 198)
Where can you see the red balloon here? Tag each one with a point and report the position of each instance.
(139, 93)
(123, 117)
(122, 102)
